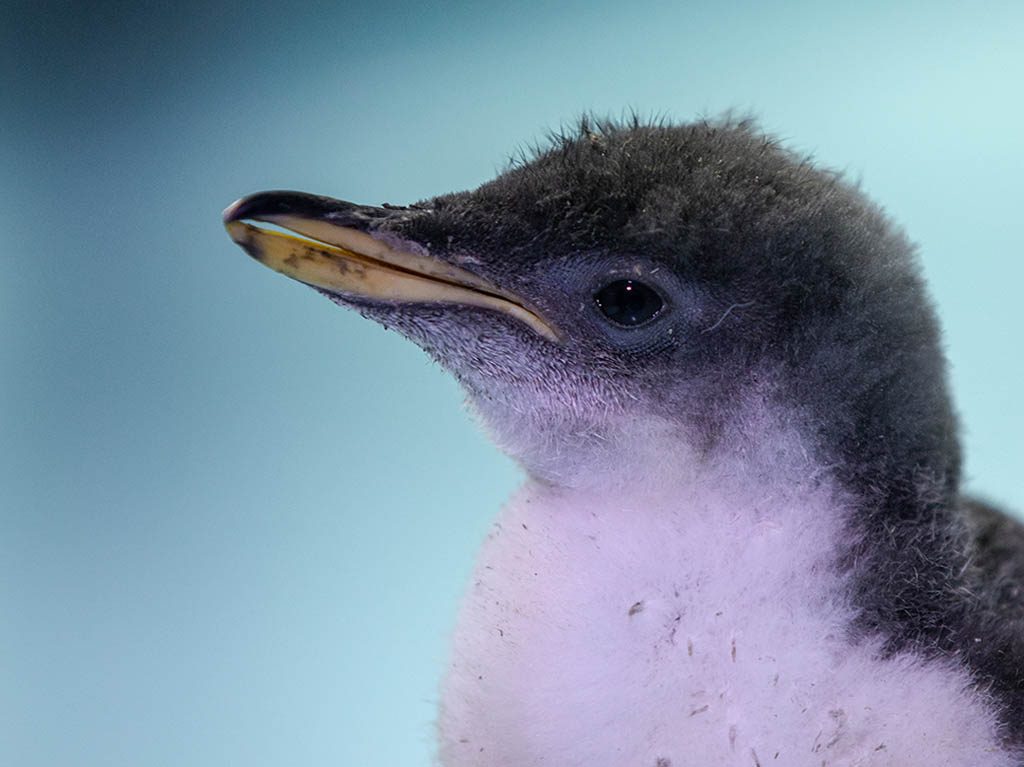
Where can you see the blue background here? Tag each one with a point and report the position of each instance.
(235, 519)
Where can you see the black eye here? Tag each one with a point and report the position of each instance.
(628, 302)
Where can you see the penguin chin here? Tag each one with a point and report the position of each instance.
(591, 446)
(644, 453)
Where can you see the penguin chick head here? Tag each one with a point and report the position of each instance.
(635, 287)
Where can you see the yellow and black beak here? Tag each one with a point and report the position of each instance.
(325, 250)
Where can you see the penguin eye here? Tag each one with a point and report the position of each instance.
(628, 302)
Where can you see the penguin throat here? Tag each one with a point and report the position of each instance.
(644, 453)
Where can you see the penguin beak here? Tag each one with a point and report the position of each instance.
(328, 248)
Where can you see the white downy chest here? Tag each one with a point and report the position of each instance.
(601, 630)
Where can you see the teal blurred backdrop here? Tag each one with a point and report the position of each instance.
(235, 520)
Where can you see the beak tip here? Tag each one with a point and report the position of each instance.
(235, 211)
(265, 206)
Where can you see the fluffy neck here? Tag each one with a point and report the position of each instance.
(640, 450)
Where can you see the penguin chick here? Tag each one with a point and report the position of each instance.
(741, 540)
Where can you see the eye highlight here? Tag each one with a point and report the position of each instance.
(628, 303)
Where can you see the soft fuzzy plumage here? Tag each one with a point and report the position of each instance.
(742, 540)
